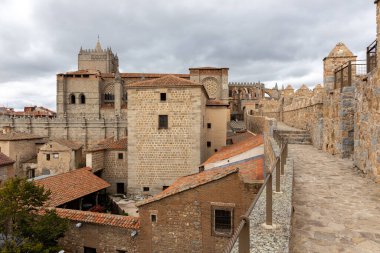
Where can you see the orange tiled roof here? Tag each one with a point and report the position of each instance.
(71, 185)
(100, 218)
(251, 170)
(110, 143)
(70, 144)
(16, 136)
(189, 182)
(165, 81)
(250, 141)
(5, 160)
(144, 75)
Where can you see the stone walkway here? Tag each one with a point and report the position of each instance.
(335, 210)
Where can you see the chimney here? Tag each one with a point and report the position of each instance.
(7, 129)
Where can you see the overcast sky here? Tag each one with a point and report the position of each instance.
(271, 41)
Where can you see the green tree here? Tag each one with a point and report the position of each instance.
(25, 226)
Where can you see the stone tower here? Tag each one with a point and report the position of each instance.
(99, 59)
(337, 57)
(215, 81)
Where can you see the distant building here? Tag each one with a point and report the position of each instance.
(6, 168)
(59, 156)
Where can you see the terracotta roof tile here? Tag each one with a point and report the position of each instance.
(250, 141)
(190, 182)
(111, 144)
(5, 160)
(251, 169)
(72, 185)
(70, 144)
(100, 218)
(165, 81)
(16, 136)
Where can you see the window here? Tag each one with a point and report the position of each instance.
(208, 125)
(55, 155)
(120, 188)
(165, 187)
(47, 157)
(145, 189)
(126, 96)
(163, 96)
(72, 99)
(109, 98)
(31, 173)
(121, 251)
(162, 121)
(153, 217)
(120, 156)
(215, 150)
(82, 99)
(223, 217)
(209, 144)
(89, 250)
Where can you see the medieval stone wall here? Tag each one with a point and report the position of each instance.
(115, 169)
(82, 130)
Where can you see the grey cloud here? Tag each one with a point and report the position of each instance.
(271, 41)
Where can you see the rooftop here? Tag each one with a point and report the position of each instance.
(248, 141)
(189, 182)
(71, 185)
(5, 160)
(17, 136)
(166, 81)
(100, 218)
(70, 144)
(111, 144)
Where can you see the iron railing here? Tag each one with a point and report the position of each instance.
(345, 74)
(371, 56)
(242, 232)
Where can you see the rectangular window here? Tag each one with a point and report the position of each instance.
(163, 96)
(222, 219)
(120, 188)
(208, 125)
(209, 144)
(153, 218)
(162, 121)
(120, 156)
(55, 155)
(145, 189)
(47, 157)
(165, 187)
(89, 250)
(121, 251)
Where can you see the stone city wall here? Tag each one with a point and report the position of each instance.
(83, 130)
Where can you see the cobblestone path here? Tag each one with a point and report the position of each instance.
(335, 209)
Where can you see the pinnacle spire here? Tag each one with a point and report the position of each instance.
(98, 47)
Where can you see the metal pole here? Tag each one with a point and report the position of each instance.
(278, 180)
(349, 74)
(269, 200)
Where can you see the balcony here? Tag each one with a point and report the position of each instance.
(371, 56)
(346, 74)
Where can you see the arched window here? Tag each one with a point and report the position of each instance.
(72, 99)
(82, 98)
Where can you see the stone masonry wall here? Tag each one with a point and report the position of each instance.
(156, 157)
(115, 169)
(83, 130)
(104, 238)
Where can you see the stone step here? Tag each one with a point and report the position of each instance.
(292, 132)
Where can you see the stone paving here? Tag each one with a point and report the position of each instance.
(335, 209)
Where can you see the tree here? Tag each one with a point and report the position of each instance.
(25, 225)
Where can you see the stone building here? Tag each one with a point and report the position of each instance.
(109, 160)
(6, 168)
(20, 147)
(59, 156)
(193, 215)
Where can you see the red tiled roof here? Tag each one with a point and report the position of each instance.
(5, 160)
(110, 143)
(70, 144)
(165, 81)
(145, 75)
(16, 136)
(71, 185)
(190, 182)
(251, 170)
(217, 102)
(249, 142)
(100, 218)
